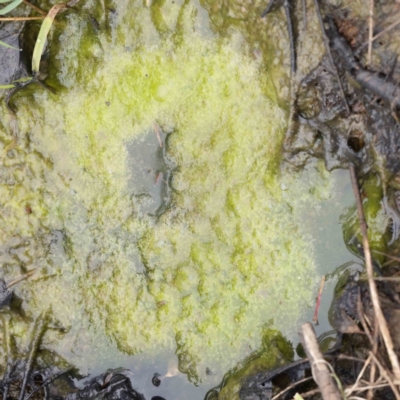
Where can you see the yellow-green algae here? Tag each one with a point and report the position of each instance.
(228, 255)
(274, 351)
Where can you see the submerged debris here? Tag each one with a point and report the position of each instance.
(367, 137)
(261, 386)
(5, 294)
(112, 385)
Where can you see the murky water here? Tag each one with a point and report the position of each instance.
(148, 193)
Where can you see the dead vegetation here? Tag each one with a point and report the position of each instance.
(364, 364)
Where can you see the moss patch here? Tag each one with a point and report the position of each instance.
(228, 253)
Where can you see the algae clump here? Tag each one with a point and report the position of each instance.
(227, 253)
(275, 351)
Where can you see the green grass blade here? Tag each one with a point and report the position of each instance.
(4, 1)
(23, 80)
(8, 45)
(10, 86)
(44, 31)
(14, 83)
(10, 7)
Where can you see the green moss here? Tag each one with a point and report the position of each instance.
(274, 352)
(376, 218)
(229, 253)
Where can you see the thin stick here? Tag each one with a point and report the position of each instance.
(156, 128)
(370, 394)
(370, 273)
(310, 393)
(360, 315)
(20, 278)
(321, 288)
(47, 381)
(328, 50)
(384, 278)
(304, 2)
(39, 10)
(387, 255)
(350, 358)
(370, 31)
(386, 375)
(20, 18)
(38, 332)
(369, 387)
(388, 262)
(293, 55)
(360, 375)
(391, 26)
(290, 387)
(321, 372)
(7, 349)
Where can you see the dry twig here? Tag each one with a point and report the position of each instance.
(9, 361)
(328, 51)
(310, 393)
(370, 393)
(390, 27)
(370, 273)
(293, 385)
(355, 387)
(385, 374)
(304, 3)
(361, 317)
(386, 278)
(321, 372)
(386, 255)
(39, 10)
(38, 331)
(369, 387)
(20, 18)
(350, 358)
(21, 278)
(370, 30)
(47, 381)
(321, 288)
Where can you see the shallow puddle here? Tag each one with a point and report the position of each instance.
(148, 192)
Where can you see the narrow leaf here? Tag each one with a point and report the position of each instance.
(4, 44)
(10, 86)
(10, 7)
(44, 31)
(13, 84)
(4, 1)
(23, 80)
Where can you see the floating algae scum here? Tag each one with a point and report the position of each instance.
(148, 193)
